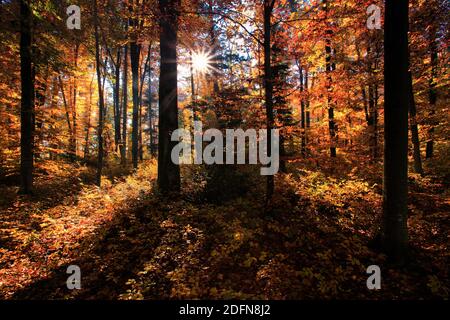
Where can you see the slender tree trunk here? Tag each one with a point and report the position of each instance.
(100, 98)
(330, 104)
(117, 114)
(66, 108)
(213, 44)
(123, 145)
(73, 137)
(134, 58)
(373, 122)
(268, 86)
(168, 172)
(372, 112)
(414, 129)
(27, 100)
(53, 106)
(150, 110)
(40, 98)
(394, 232)
(432, 95)
(146, 69)
(88, 122)
(307, 112)
(302, 113)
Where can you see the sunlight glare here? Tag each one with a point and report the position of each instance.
(201, 61)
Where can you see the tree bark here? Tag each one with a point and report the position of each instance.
(302, 112)
(329, 87)
(88, 122)
(268, 86)
(214, 45)
(150, 110)
(414, 129)
(123, 145)
(134, 58)
(117, 114)
(141, 88)
(432, 95)
(73, 137)
(168, 172)
(27, 100)
(100, 98)
(394, 234)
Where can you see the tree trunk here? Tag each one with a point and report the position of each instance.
(123, 145)
(394, 232)
(302, 113)
(27, 100)
(73, 137)
(117, 100)
(432, 95)
(134, 58)
(88, 122)
(168, 172)
(308, 112)
(40, 100)
(146, 69)
(373, 122)
(150, 110)
(213, 44)
(268, 86)
(100, 99)
(329, 69)
(414, 129)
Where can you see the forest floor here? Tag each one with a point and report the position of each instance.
(132, 243)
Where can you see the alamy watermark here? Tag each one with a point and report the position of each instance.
(374, 281)
(235, 147)
(74, 280)
(374, 17)
(74, 19)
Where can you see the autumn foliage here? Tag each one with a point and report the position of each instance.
(85, 171)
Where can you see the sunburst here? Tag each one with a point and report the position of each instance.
(201, 61)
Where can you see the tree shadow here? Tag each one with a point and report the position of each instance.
(107, 259)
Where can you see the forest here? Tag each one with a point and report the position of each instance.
(224, 149)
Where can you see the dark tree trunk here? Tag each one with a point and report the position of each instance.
(123, 145)
(53, 106)
(213, 44)
(329, 69)
(73, 137)
(100, 99)
(373, 122)
(372, 112)
(394, 232)
(40, 97)
(308, 112)
(117, 114)
(69, 122)
(432, 95)
(302, 113)
(146, 69)
(88, 122)
(268, 86)
(150, 110)
(168, 172)
(414, 129)
(27, 100)
(134, 58)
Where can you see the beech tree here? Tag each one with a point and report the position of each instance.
(27, 99)
(396, 92)
(168, 172)
(101, 102)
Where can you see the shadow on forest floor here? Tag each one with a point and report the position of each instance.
(313, 245)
